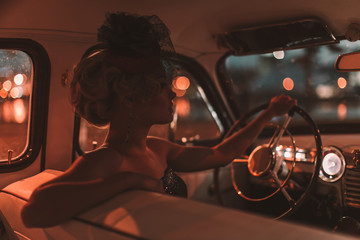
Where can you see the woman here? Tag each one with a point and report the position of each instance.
(126, 86)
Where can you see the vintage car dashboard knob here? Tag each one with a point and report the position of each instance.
(333, 164)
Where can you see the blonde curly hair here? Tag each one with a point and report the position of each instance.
(98, 85)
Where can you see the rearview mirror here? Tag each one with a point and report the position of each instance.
(348, 62)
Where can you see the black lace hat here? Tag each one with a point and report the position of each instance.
(135, 43)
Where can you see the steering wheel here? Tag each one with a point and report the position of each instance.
(265, 162)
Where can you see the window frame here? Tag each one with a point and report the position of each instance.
(213, 96)
(38, 115)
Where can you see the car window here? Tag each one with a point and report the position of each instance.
(16, 83)
(305, 74)
(194, 117)
(24, 97)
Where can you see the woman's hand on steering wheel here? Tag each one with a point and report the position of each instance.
(280, 105)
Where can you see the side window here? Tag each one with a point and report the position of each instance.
(90, 136)
(24, 64)
(16, 83)
(194, 117)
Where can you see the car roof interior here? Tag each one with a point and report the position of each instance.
(186, 19)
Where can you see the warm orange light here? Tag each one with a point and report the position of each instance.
(16, 92)
(178, 92)
(7, 112)
(19, 79)
(3, 93)
(341, 82)
(181, 83)
(182, 107)
(26, 89)
(19, 111)
(342, 111)
(288, 84)
(7, 85)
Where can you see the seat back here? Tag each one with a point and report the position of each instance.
(149, 215)
(14, 197)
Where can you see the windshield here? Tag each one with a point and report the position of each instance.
(330, 97)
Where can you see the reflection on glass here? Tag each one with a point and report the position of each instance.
(19, 111)
(342, 110)
(182, 106)
(7, 112)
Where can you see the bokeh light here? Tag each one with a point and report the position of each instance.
(3, 93)
(279, 54)
(341, 82)
(181, 83)
(342, 111)
(7, 85)
(19, 79)
(325, 91)
(16, 92)
(288, 84)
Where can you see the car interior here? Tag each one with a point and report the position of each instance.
(299, 179)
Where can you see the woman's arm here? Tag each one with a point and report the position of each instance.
(183, 158)
(61, 199)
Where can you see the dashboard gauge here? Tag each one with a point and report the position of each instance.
(333, 165)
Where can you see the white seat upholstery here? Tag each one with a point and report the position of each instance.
(146, 215)
(14, 197)
(25, 187)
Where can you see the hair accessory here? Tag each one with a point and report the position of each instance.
(135, 43)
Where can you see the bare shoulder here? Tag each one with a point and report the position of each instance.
(163, 145)
(95, 164)
(90, 166)
(101, 158)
